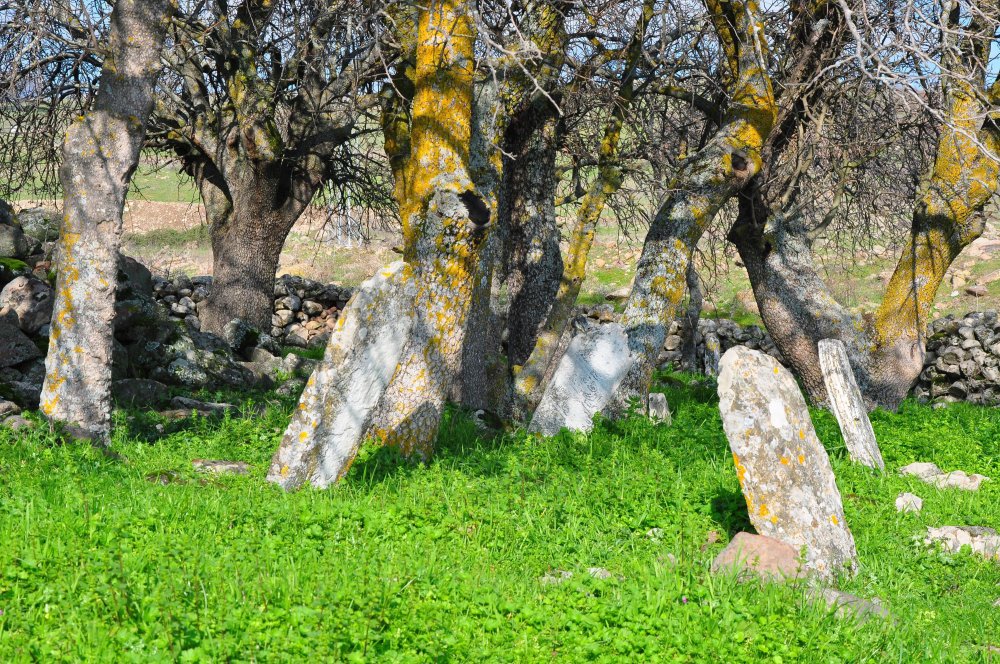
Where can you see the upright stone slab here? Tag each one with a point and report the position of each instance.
(784, 472)
(336, 407)
(583, 384)
(847, 405)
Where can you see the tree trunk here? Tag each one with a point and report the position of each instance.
(100, 153)
(250, 221)
(689, 348)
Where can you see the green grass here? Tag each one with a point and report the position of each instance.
(162, 238)
(442, 562)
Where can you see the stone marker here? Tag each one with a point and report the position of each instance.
(585, 380)
(336, 407)
(762, 556)
(908, 502)
(712, 350)
(847, 405)
(657, 408)
(783, 469)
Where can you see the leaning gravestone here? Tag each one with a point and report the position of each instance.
(583, 384)
(336, 406)
(783, 469)
(848, 407)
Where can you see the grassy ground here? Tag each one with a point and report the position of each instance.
(102, 562)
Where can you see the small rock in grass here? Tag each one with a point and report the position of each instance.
(983, 541)
(220, 466)
(555, 577)
(200, 406)
(598, 572)
(657, 408)
(908, 502)
(931, 474)
(958, 479)
(8, 408)
(762, 556)
(848, 605)
(16, 423)
(921, 469)
(655, 534)
(997, 602)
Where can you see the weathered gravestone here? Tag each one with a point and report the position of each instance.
(587, 377)
(336, 406)
(847, 405)
(783, 469)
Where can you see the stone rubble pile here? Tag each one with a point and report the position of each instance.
(305, 311)
(963, 360)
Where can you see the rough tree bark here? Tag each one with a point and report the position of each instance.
(886, 348)
(100, 153)
(703, 184)
(445, 222)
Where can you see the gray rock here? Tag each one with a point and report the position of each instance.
(241, 336)
(40, 223)
(783, 469)
(555, 577)
(599, 573)
(8, 408)
(14, 243)
(139, 391)
(221, 467)
(17, 423)
(31, 300)
(982, 541)
(15, 346)
(908, 502)
(849, 606)
(134, 279)
(657, 408)
(922, 469)
(764, 557)
(201, 406)
(847, 404)
(931, 474)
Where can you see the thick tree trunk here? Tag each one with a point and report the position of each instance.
(250, 221)
(535, 260)
(100, 153)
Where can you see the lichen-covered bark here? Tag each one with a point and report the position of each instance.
(886, 348)
(100, 153)
(703, 184)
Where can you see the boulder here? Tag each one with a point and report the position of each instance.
(15, 346)
(14, 243)
(139, 392)
(241, 336)
(761, 556)
(134, 278)
(40, 223)
(847, 605)
(782, 467)
(31, 300)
